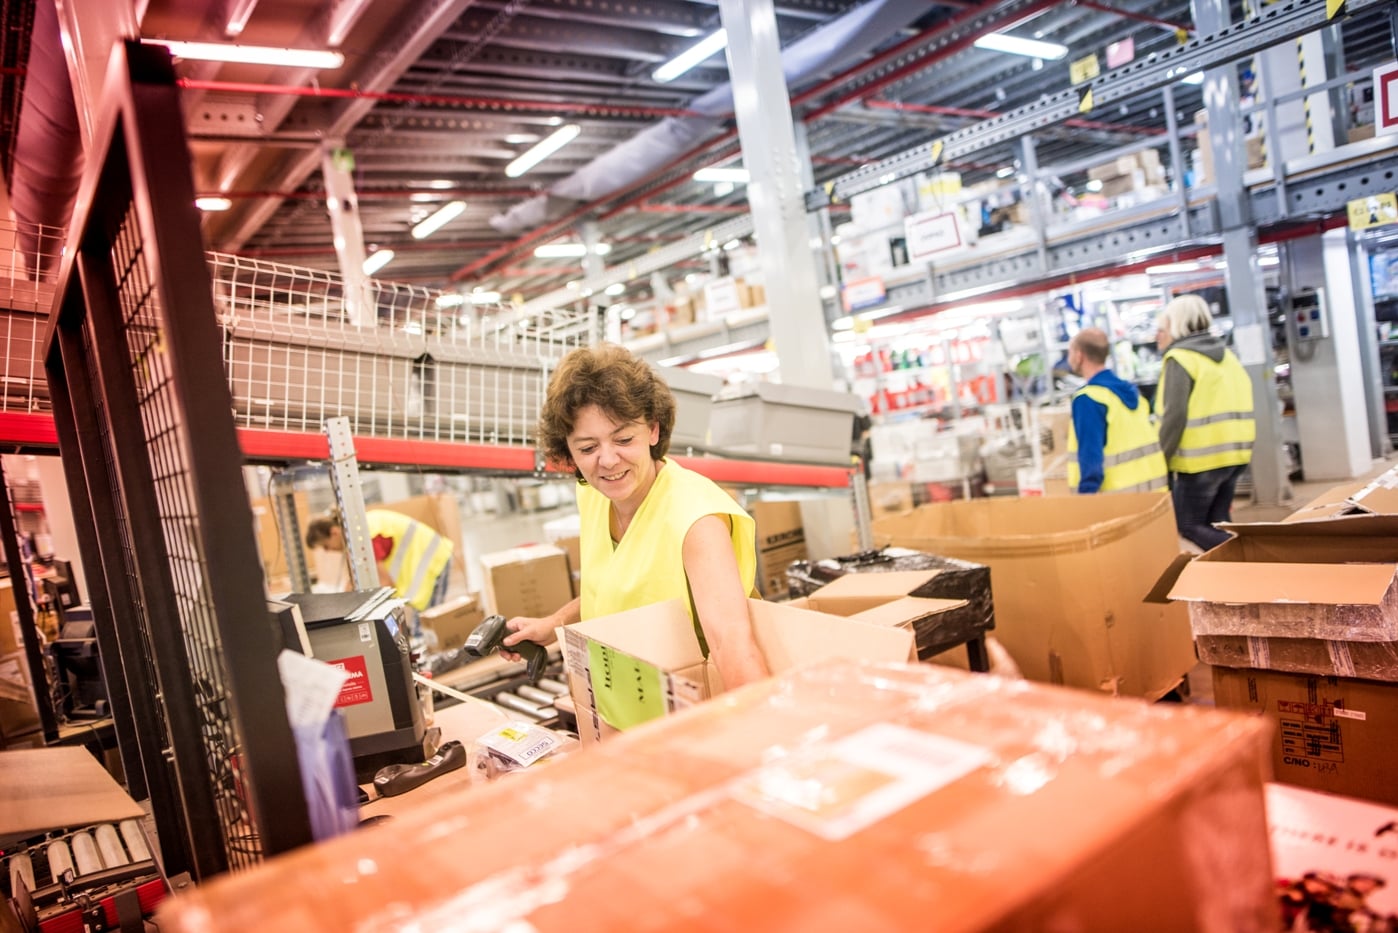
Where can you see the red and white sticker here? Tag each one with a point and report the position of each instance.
(1386, 98)
(356, 688)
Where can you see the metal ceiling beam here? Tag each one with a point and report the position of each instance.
(1279, 22)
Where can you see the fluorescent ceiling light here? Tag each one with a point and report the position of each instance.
(377, 260)
(543, 149)
(479, 297)
(737, 176)
(616, 288)
(1169, 267)
(696, 53)
(1005, 171)
(1195, 78)
(238, 17)
(569, 250)
(213, 203)
(451, 300)
(1014, 45)
(439, 219)
(519, 139)
(251, 54)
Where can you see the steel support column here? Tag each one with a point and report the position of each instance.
(1247, 300)
(763, 110)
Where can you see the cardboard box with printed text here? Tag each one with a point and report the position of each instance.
(533, 580)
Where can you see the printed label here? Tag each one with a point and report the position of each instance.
(521, 743)
(356, 688)
(1259, 652)
(627, 690)
(836, 790)
(1350, 714)
(366, 631)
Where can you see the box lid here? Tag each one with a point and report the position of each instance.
(1317, 584)
(49, 788)
(803, 396)
(1380, 526)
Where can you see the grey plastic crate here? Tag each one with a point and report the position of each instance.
(787, 422)
(694, 398)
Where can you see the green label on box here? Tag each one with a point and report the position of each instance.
(627, 690)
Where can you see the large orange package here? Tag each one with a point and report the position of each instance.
(844, 797)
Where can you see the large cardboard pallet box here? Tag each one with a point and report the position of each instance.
(1069, 577)
(1315, 597)
(840, 797)
(1333, 734)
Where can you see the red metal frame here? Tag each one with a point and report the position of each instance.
(26, 430)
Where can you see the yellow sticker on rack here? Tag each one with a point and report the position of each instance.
(937, 148)
(1377, 210)
(1333, 8)
(1085, 102)
(1181, 36)
(1084, 69)
(627, 690)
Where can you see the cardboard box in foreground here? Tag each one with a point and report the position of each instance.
(1069, 577)
(631, 667)
(1333, 734)
(836, 798)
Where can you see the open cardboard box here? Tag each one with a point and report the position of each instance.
(1379, 496)
(1285, 586)
(880, 599)
(630, 667)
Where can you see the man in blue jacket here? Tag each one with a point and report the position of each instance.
(1112, 445)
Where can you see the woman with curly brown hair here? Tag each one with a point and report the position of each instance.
(651, 530)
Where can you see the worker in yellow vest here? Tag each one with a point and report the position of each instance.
(411, 557)
(1204, 403)
(1112, 445)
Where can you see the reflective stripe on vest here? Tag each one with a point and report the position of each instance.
(1219, 427)
(422, 556)
(1131, 457)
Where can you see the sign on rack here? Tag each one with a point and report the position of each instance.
(930, 233)
(1386, 98)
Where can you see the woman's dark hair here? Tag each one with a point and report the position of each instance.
(318, 531)
(614, 380)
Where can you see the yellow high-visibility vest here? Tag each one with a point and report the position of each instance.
(1131, 457)
(1219, 427)
(419, 555)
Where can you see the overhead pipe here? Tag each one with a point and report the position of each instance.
(548, 229)
(48, 157)
(373, 194)
(833, 46)
(876, 103)
(440, 100)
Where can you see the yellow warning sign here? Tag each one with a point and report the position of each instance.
(1333, 8)
(937, 151)
(1376, 210)
(1181, 36)
(1085, 102)
(1084, 69)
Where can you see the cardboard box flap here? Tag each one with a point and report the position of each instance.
(888, 585)
(1380, 496)
(1160, 593)
(1377, 526)
(660, 634)
(1320, 584)
(909, 609)
(793, 637)
(50, 788)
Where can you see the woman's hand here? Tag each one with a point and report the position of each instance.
(541, 631)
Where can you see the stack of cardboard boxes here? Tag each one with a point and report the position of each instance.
(1139, 175)
(1300, 619)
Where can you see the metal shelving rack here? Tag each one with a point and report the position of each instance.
(143, 419)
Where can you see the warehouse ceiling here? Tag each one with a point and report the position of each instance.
(436, 97)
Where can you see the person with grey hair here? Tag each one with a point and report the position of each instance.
(1204, 403)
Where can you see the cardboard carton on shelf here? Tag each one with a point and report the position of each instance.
(631, 667)
(1069, 576)
(453, 621)
(781, 539)
(834, 798)
(532, 580)
(1333, 734)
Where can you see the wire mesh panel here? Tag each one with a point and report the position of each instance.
(27, 296)
(136, 334)
(428, 366)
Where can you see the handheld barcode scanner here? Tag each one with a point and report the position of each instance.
(489, 636)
